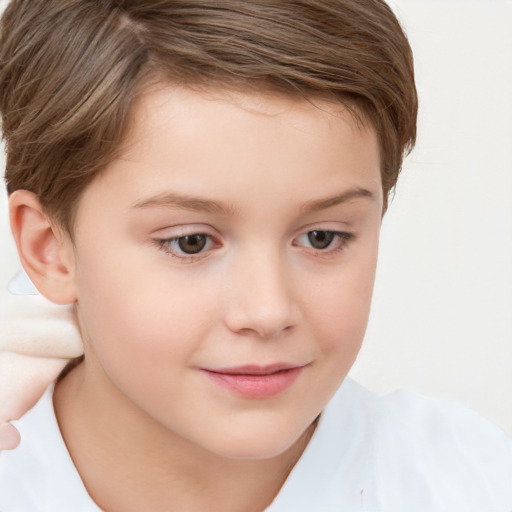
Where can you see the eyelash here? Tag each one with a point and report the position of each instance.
(343, 239)
(165, 244)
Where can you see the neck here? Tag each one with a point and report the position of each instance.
(128, 461)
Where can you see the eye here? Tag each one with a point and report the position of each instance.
(191, 244)
(321, 240)
(186, 245)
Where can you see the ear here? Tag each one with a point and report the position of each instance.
(45, 250)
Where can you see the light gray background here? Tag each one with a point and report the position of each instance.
(442, 311)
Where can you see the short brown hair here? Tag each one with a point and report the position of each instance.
(70, 71)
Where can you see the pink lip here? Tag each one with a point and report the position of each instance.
(254, 381)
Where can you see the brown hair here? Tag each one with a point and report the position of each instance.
(70, 71)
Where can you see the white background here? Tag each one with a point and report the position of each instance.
(442, 313)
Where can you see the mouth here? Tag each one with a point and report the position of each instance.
(253, 381)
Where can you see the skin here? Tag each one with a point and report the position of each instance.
(263, 172)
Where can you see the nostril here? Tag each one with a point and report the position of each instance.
(260, 323)
(264, 334)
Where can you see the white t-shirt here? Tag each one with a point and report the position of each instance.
(399, 452)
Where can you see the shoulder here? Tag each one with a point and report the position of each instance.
(440, 427)
(39, 475)
(399, 452)
(442, 449)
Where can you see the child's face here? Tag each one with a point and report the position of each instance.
(281, 203)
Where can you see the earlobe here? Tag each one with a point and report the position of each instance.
(45, 250)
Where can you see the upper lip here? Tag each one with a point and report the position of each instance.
(254, 369)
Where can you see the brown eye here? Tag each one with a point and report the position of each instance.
(321, 239)
(192, 244)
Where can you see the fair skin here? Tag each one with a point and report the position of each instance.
(281, 202)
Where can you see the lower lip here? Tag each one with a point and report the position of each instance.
(256, 386)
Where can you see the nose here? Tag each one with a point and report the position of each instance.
(263, 301)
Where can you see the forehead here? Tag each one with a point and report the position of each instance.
(158, 101)
(220, 143)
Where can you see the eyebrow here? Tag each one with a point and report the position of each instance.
(322, 204)
(186, 202)
(194, 203)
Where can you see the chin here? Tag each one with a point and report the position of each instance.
(259, 444)
(260, 451)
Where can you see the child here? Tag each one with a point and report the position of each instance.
(204, 182)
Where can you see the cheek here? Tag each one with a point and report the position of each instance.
(343, 308)
(135, 314)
